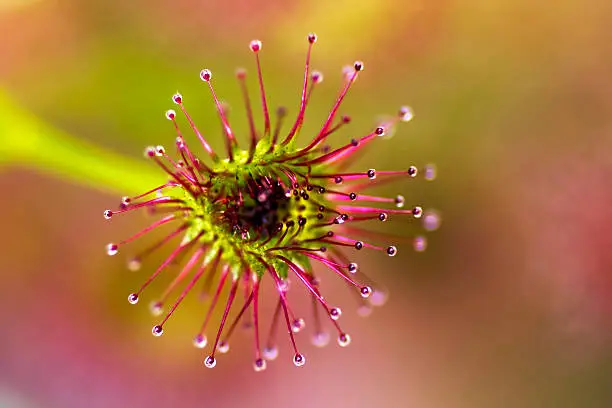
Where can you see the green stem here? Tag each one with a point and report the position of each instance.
(27, 140)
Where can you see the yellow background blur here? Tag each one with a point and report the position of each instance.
(511, 306)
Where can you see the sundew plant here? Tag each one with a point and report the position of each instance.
(269, 210)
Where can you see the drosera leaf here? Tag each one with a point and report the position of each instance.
(26, 140)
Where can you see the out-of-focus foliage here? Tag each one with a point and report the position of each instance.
(31, 142)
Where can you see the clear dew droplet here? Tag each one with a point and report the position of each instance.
(320, 339)
(399, 201)
(200, 341)
(134, 265)
(406, 113)
(298, 325)
(157, 331)
(284, 285)
(259, 365)
(133, 298)
(344, 339)
(335, 313)
(149, 151)
(205, 75)
(108, 214)
(156, 308)
(353, 267)
(210, 362)
(223, 347)
(255, 45)
(299, 360)
(270, 353)
(366, 291)
(170, 114)
(112, 249)
(419, 244)
(412, 171)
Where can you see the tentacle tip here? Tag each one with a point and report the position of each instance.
(177, 98)
(299, 360)
(298, 325)
(223, 346)
(241, 73)
(149, 151)
(399, 201)
(406, 114)
(157, 330)
(312, 38)
(156, 308)
(419, 244)
(210, 362)
(270, 353)
(200, 341)
(134, 264)
(431, 220)
(255, 45)
(259, 365)
(430, 172)
(335, 313)
(205, 75)
(170, 114)
(378, 298)
(112, 249)
(344, 339)
(133, 298)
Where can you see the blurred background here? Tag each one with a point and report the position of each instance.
(510, 306)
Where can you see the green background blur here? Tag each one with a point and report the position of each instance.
(511, 306)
